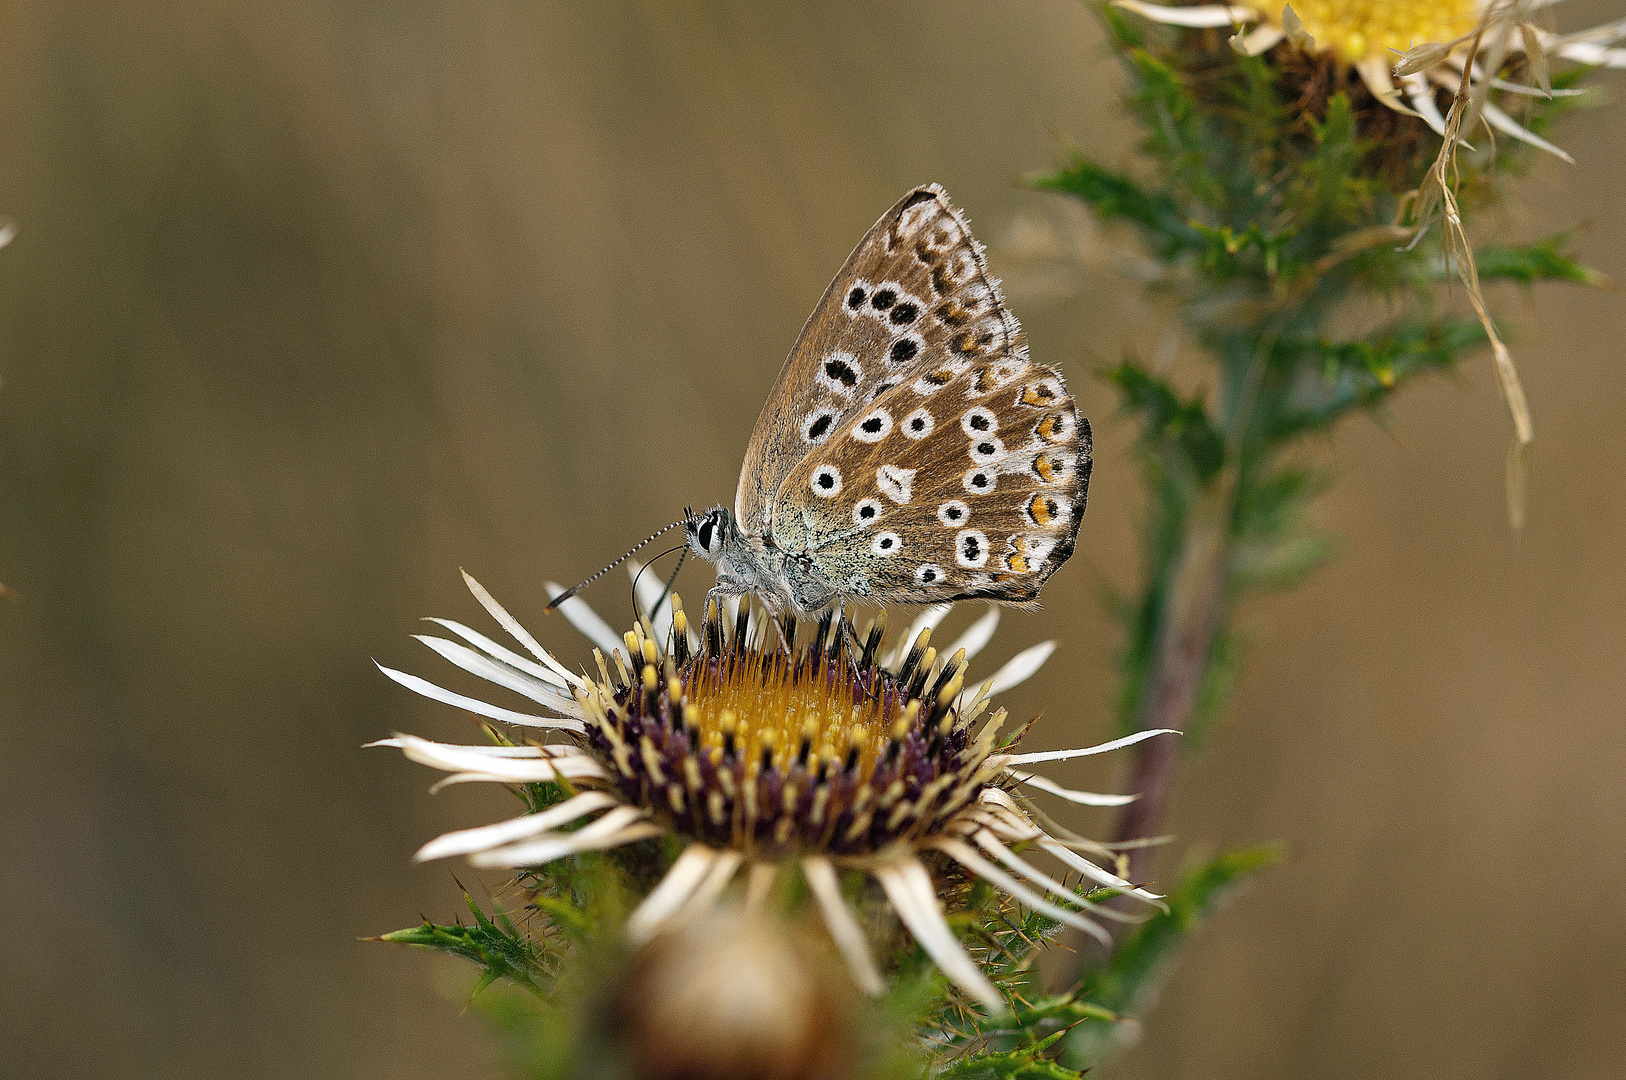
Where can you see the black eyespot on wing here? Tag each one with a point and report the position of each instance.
(904, 350)
(980, 422)
(985, 448)
(825, 481)
(842, 372)
(885, 543)
(980, 480)
(917, 424)
(953, 513)
(904, 314)
(971, 548)
(820, 426)
(856, 298)
(866, 512)
(872, 425)
(883, 299)
(928, 575)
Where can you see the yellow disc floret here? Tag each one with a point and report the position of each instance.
(1360, 29)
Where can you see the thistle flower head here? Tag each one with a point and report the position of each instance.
(766, 746)
(1412, 54)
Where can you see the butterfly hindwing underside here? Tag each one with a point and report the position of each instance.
(910, 451)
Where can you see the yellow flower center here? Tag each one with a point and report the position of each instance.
(1360, 29)
(821, 746)
(776, 704)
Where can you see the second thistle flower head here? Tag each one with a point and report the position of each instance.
(771, 747)
(1412, 55)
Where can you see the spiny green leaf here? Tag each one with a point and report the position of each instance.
(501, 951)
(1544, 260)
(1327, 379)
(1170, 422)
(1027, 1063)
(1114, 195)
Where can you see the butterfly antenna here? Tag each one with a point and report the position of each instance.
(574, 589)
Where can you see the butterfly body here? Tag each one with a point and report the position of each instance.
(910, 451)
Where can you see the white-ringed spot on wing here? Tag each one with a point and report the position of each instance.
(1057, 427)
(979, 481)
(918, 424)
(905, 349)
(895, 483)
(887, 543)
(857, 297)
(826, 482)
(867, 511)
(1041, 393)
(985, 449)
(954, 513)
(840, 373)
(928, 574)
(873, 427)
(1028, 553)
(818, 424)
(978, 422)
(1045, 509)
(971, 549)
(884, 298)
(903, 313)
(1052, 468)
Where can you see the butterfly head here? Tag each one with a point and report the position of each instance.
(709, 534)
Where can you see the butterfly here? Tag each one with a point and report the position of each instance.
(910, 452)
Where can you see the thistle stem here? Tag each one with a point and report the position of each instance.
(1180, 657)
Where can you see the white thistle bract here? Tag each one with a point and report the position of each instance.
(771, 756)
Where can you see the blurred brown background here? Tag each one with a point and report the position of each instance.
(314, 303)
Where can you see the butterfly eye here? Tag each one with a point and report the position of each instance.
(705, 534)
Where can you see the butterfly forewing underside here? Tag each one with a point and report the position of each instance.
(910, 451)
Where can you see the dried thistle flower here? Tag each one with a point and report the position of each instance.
(764, 749)
(730, 996)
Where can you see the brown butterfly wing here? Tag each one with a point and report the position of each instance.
(969, 480)
(913, 295)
